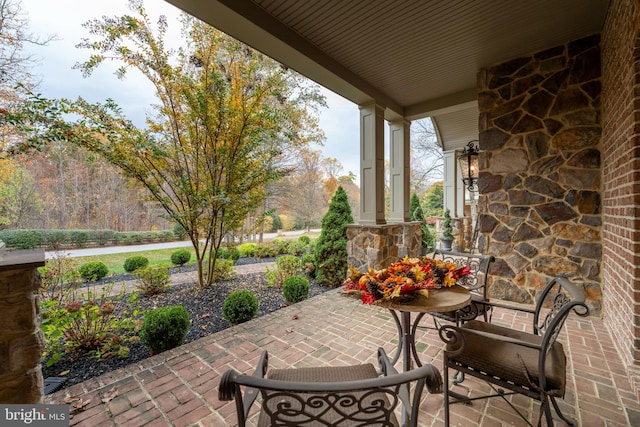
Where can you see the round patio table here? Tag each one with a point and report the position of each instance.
(439, 300)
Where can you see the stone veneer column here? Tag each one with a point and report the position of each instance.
(540, 180)
(377, 246)
(21, 340)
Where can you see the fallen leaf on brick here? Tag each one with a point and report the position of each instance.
(108, 396)
(76, 403)
(294, 317)
(289, 330)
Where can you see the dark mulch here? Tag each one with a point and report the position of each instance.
(205, 310)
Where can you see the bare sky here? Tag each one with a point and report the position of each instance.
(134, 94)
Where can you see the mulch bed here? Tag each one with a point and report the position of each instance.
(205, 311)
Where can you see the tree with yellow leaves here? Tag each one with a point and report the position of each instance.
(225, 115)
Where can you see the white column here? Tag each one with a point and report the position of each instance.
(453, 193)
(372, 164)
(399, 173)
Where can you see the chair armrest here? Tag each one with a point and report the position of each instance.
(229, 387)
(510, 307)
(386, 367)
(433, 380)
(250, 394)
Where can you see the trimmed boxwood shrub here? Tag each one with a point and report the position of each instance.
(240, 306)
(134, 263)
(233, 254)
(295, 289)
(180, 257)
(305, 240)
(94, 270)
(165, 328)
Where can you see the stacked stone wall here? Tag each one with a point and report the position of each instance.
(21, 340)
(540, 171)
(621, 179)
(377, 246)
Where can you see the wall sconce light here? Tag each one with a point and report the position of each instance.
(469, 165)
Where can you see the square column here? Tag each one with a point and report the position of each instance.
(372, 164)
(21, 338)
(399, 148)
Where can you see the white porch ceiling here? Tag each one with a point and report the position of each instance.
(418, 58)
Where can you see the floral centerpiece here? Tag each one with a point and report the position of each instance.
(403, 279)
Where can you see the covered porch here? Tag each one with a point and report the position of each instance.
(548, 88)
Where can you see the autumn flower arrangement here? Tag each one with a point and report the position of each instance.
(403, 279)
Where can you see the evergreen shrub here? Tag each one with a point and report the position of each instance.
(276, 223)
(231, 254)
(94, 270)
(417, 214)
(165, 328)
(295, 289)
(179, 232)
(180, 257)
(240, 306)
(234, 254)
(306, 240)
(297, 248)
(331, 246)
(134, 263)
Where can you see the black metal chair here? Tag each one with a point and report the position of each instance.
(476, 284)
(532, 364)
(330, 396)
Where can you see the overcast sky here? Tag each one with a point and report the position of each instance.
(64, 18)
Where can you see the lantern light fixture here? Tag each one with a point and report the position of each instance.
(469, 165)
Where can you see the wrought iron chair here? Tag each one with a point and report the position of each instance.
(330, 396)
(532, 364)
(476, 284)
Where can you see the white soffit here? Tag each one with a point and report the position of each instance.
(412, 56)
(457, 128)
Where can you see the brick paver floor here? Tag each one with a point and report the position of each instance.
(180, 387)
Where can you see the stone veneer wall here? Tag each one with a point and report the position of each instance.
(621, 179)
(377, 246)
(540, 178)
(21, 340)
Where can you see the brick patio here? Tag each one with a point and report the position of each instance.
(180, 387)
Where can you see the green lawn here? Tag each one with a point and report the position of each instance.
(115, 262)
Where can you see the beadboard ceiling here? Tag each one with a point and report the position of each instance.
(418, 58)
